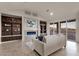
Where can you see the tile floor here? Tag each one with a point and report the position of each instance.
(15, 48)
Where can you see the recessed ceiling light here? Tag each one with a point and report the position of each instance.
(51, 13)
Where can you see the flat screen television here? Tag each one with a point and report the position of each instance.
(31, 23)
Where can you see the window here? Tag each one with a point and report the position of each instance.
(71, 27)
(63, 27)
(54, 28)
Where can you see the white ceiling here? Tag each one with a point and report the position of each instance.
(62, 10)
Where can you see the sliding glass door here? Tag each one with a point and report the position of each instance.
(71, 30)
(68, 28)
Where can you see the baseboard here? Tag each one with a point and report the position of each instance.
(37, 52)
(8, 41)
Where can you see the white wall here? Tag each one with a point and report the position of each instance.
(77, 28)
(26, 29)
(77, 31)
(38, 27)
(48, 27)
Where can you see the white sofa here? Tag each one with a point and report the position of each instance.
(52, 44)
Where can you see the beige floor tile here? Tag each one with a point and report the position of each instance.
(16, 49)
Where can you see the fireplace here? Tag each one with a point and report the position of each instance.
(31, 33)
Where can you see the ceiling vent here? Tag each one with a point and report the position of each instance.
(27, 12)
(30, 13)
(34, 14)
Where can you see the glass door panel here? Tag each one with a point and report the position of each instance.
(71, 30)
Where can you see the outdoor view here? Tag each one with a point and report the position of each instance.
(53, 29)
(71, 27)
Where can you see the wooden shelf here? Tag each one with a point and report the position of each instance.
(11, 26)
(43, 27)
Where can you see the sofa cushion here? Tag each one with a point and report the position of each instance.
(50, 38)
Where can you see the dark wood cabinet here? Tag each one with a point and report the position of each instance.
(6, 29)
(6, 19)
(43, 27)
(11, 28)
(16, 29)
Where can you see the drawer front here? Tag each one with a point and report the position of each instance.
(4, 39)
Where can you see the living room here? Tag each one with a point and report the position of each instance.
(39, 28)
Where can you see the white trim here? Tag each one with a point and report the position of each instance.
(9, 41)
(11, 35)
(66, 32)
